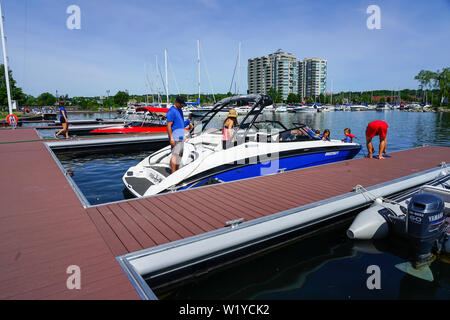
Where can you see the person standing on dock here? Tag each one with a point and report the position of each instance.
(377, 128)
(64, 121)
(175, 129)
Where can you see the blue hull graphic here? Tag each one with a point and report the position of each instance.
(279, 165)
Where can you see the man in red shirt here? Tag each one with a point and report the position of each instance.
(377, 128)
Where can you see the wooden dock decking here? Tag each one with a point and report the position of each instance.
(44, 227)
(142, 223)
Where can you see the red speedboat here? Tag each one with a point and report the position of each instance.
(153, 121)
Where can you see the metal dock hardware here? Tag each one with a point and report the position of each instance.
(234, 223)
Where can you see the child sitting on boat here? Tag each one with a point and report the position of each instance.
(325, 135)
(348, 136)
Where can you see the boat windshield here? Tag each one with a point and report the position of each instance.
(298, 132)
(148, 120)
(134, 124)
(269, 126)
(132, 117)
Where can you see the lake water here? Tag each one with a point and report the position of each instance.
(98, 175)
(326, 266)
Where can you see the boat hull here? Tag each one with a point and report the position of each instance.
(245, 169)
(130, 130)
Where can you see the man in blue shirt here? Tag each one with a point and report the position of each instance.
(175, 129)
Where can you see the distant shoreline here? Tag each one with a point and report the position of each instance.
(91, 111)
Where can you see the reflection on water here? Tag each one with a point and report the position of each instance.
(99, 176)
(326, 266)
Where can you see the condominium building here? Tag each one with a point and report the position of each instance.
(313, 77)
(260, 75)
(278, 70)
(282, 71)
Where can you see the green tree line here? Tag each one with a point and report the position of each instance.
(433, 88)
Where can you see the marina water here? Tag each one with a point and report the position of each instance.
(325, 266)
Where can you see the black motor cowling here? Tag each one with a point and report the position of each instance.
(426, 225)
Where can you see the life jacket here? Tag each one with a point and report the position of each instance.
(349, 135)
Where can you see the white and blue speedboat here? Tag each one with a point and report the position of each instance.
(257, 148)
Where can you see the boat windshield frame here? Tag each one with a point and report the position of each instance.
(306, 130)
(149, 117)
(260, 102)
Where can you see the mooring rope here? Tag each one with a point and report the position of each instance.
(364, 191)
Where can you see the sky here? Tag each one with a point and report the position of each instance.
(118, 40)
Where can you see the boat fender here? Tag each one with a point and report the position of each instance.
(370, 224)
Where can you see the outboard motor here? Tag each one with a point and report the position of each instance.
(426, 225)
(421, 228)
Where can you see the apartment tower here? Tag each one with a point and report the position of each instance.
(313, 77)
(278, 70)
(282, 71)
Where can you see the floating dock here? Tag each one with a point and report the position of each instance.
(45, 228)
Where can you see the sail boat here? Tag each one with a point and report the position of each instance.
(163, 105)
(200, 111)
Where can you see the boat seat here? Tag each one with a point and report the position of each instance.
(165, 171)
(161, 156)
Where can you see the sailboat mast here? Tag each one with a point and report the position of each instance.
(5, 62)
(331, 91)
(157, 73)
(239, 68)
(198, 68)
(167, 80)
(146, 84)
(151, 82)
